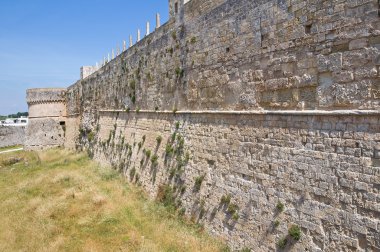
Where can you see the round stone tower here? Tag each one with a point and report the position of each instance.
(47, 118)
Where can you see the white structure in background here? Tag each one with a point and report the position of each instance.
(15, 122)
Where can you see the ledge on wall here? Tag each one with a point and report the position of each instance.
(261, 112)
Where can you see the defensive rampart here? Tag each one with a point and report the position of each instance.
(259, 116)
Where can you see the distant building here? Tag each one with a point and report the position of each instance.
(15, 122)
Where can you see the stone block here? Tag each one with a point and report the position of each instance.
(358, 43)
(332, 62)
(377, 151)
(343, 76)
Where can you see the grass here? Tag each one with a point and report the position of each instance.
(62, 201)
(10, 148)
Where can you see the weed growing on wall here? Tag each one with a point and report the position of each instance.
(225, 200)
(280, 207)
(282, 243)
(159, 140)
(295, 232)
(198, 182)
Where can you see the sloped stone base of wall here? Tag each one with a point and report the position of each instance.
(230, 172)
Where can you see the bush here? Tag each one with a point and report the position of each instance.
(295, 232)
(193, 40)
(172, 173)
(91, 136)
(159, 140)
(132, 173)
(154, 160)
(276, 223)
(232, 208)
(174, 135)
(165, 195)
(169, 149)
(225, 200)
(177, 125)
(183, 189)
(245, 250)
(179, 72)
(198, 182)
(280, 206)
(148, 153)
(187, 157)
(182, 212)
(132, 84)
(282, 243)
(174, 35)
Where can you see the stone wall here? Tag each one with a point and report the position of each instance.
(324, 169)
(278, 110)
(11, 136)
(243, 55)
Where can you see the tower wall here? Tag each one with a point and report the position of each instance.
(47, 118)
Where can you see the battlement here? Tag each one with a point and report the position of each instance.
(45, 95)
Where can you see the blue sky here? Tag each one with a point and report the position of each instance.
(43, 43)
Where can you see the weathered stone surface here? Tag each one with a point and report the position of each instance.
(278, 102)
(306, 162)
(47, 118)
(10, 136)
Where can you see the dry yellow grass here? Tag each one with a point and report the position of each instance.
(62, 201)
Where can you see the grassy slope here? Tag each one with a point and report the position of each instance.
(60, 201)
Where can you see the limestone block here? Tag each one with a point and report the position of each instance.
(352, 93)
(377, 151)
(358, 43)
(332, 62)
(343, 76)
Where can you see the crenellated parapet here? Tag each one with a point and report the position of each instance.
(45, 95)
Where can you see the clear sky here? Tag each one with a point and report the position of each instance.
(43, 43)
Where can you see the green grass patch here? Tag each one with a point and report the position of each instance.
(62, 201)
(10, 148)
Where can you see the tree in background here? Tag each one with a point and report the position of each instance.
(19, 114)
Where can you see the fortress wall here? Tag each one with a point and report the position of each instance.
(323, 168)
(11, 136)
(72, 132)
(245, 55)
(300, 69)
